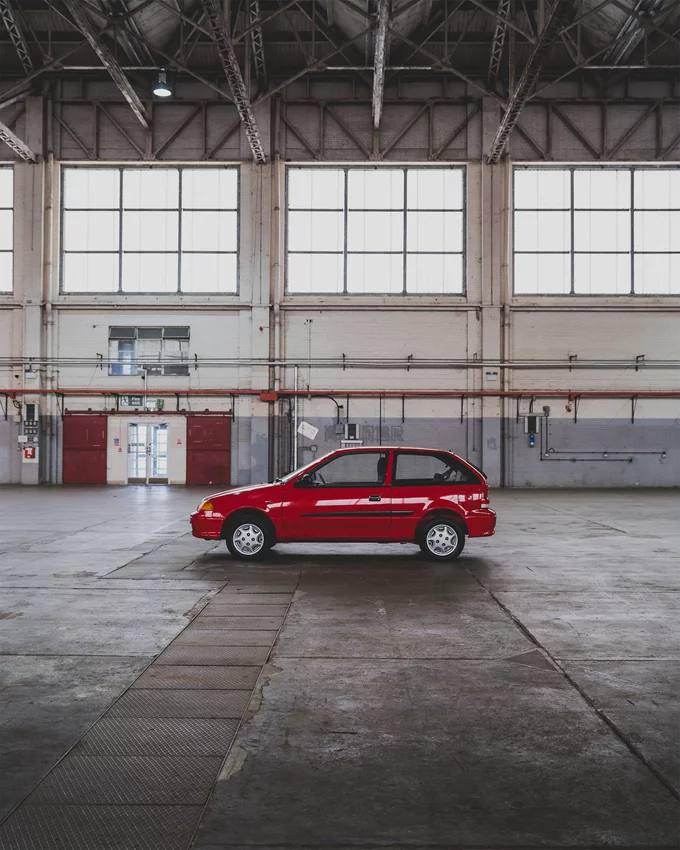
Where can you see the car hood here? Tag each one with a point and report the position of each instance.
(250, 488)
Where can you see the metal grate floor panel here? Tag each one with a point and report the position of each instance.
(212, 655)
(225, 637)
(99, 828)
(158, 736)
(124, 780)
(197, 678)
(213, 609)
(225, 597)
(258, 623)
(167, 703)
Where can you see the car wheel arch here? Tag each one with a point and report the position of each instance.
(441, 513)
(241, 513)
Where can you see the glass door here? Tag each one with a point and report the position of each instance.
(147, 453)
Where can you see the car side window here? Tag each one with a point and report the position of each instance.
(426, 468)
(360, 469)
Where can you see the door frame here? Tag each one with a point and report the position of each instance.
(150, 427)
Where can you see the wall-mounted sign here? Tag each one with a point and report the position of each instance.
(132, 401)
(116, 441)
(30, 454)
(307, 430)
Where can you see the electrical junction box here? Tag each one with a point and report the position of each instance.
(532, 423)
(350, 431)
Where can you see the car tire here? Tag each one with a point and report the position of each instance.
(441, 539)
(249, 537)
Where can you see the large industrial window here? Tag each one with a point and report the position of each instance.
(156, 351)
(597, 231)
(150, 230)
(375, 230)
(6, 227)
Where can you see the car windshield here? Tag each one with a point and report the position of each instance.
(284, 478)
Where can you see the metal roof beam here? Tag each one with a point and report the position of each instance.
(108, 60)
(381, 53)
(498, 41)
(519, 96)
(19, 147)
(257, 43)
(215, 17)
(17, 36)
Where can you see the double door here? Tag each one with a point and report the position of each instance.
(147, 453)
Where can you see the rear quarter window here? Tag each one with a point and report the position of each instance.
(431, 469)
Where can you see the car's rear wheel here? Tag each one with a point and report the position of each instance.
(249, 537)
(442, 539)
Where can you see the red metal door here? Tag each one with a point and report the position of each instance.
(208, 449)
(84, 449)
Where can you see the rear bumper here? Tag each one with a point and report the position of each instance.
(206, 524)
(481, 523)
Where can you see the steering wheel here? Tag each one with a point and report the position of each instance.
(320, 478)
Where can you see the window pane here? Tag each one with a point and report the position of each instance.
(315, 231)
(5, 271)
(608, 189)
(360, 469)
(542, 189)
(122, 351)
(434, 231)
(368, 273)
(209, 273)
(657, 274)
(91, 188)
(657, 188)
(90, 272)
(209, 231)
(429, 469)
(316, 188)
(657, 231)
(90, 231)
(435, 189)
(151, 188)
(375, 231)
(602, 231)
(434, 273)
(544, 231)
(150, 231)
(6, 187)
(210, 188)
(149, 272)
(6, 230)
(315, 273)
(602, 274)
(382, 189)
(542, 274)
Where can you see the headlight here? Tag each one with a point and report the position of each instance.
(207, 505)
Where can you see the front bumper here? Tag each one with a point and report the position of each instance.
(481, 523)
(206, 524)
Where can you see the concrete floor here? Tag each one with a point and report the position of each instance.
(525, 696)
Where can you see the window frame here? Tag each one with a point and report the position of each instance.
(335, 457)
(120, 210)
(571, 210)
(452, 461)
(135, 339)
(8, 166)
(404, 253)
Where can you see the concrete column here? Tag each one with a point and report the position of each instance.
(255, 330)
(493, 204)
(29, 212)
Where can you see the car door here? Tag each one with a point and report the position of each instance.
(344, 498)
(422, 481)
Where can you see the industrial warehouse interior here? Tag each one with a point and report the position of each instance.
(239, 235)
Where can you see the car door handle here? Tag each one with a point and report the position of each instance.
(374, 498)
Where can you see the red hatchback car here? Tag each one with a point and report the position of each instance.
(383, 495)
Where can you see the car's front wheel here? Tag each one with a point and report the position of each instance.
(249, 537)
(442, 539)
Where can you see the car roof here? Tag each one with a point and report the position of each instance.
(390, 448)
